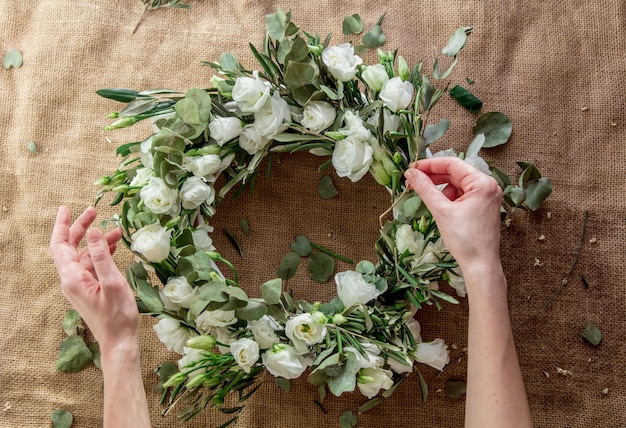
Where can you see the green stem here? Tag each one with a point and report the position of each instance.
(331, 253)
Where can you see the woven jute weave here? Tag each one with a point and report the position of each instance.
(556, 68)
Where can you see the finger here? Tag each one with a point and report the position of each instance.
(80, 226)
(111, 238)
(451, 192)
(453, 169)
(103, 264)
(61, 230)
(426, 189)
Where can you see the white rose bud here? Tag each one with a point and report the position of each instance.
(250, 93)
(303, 330)
(141, 178)
(396, 94)
(201, 238)
(252, 140)
(408, 239)
(201, 166)
(264, 332)
(375, 77)
(283, 361)
(171, 334)
(352, 158)
(246, 353)
(225, 129)
(371, 380)
(273, 118)
(217, 318)
(434, 353)
(318, 115)
(177, 293)
(191, 355)
(159, 198)
(353, 289)
(341, 61)
(152, 242)
(194, 192)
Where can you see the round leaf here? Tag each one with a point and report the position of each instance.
(592, 334)
(326, 189)
(321, 266)
(302, 246)
(13, 58)
(348, 419)
(73, 355)
(288, 266)
(352, 25)
(271, 291)
(496, 126)
(61, 418)
(455, 388)
(72, 322)
(375, 38)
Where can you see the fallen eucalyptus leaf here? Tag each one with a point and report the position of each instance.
(61, 418)
(456, 43)
(233, 241)
(433, 132)
(282, 383)
(245, 227)
(352, 25)
(455, 388)
(496, 126)
(73, 355)
(466, 99)
(348, 419)
(288, 266)
(13, 58)
(537, 192)
(32, 147)
(326, 189)
(374, 38)
(94, 348)
(72, 323)
(592, 334)
(302, 246)
(321, 267)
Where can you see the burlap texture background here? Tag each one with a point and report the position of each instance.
(556, 68)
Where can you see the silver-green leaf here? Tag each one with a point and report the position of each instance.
(288, 266)
(72, 323)
(271, 291)
(326, 189)
(13, 58)
(496, 126)
(302, 246)
(74, 355)
(592, 334)
(456, 43)
(321, 267)
(61, 418)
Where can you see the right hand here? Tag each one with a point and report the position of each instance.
(467, 211)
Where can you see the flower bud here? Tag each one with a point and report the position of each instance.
(175, 379)
(397, 158)
(423, 224)
(339, 319)
(104, 181)
(335, 135)
(403, 69)
(380, 175)
(122, 123)
(196, 381)
(113, 115)
(212, 149)
(316, 49)
(222, 86)
(361, 378)
(121, 189)
(204, 342)
(213, 255)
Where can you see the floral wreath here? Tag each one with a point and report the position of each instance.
(306, 96)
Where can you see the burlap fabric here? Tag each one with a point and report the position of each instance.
(556, 68)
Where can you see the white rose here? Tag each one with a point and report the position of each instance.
(222, 335)
(396, 94)
(355, 128)
(318, 115)
(391, 121)
(250, 93)
(177, 293)
(172, 334)
(195, 192)
(304, 330)
(246, 353)
(225, 129)
(152, 242)
(415, 328)
(191, 355)
(270, 120)
(371, 359)
(201, 166)
(201, 238)
(264, 332)
(408, 239)
(372, 380)
(434, 353)
(353, 289)
(283, 361)
(456, 281)
(352, 158)
(375, 76)
(398, 367)
(252, 140)
(159, 198)
(217, 318)
(145, 153)
(341, 61)
(142, 175)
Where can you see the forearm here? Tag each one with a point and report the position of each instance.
(124, 395)
(495, 389)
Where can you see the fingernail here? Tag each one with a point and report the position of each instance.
(410, 173)
(93, 236)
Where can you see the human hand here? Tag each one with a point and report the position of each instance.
(91, 281)
(467, 211)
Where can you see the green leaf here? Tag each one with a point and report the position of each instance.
(32, 147)
(455, 388)
(321, 267)
(348, 420)
(149, 295)
(13, 58)
(137, 107)
(229, 62)
(252, 311)
(195, 108)
(501, 177)
(74, 355)
(496, 126)
(365, 267)
(282, 383)
(346, 379)
(434, 132)
(94, 348)
(423, 386)
(592, 334)
(529, 173)
(122, 95)
(288, 266)
(233, 241)
(456, 43)
(466, 99)
(302, 246)
(326, 189)
(72, 322)
(537, 192)
(352, 24)
(515, 196)
(299, 51)
(61, 418)
(300, 73)
(271, 291)
(374, 38)
(245, 227)
(370, 404)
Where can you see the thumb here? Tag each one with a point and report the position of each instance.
(426, 189)
(99, 251)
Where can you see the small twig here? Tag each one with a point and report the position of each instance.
(565, 279)
(140, 18)
(380, 219)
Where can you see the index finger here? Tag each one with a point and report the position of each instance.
(448, 169)
(61, 229)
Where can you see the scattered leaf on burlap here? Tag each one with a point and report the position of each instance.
(72, 322)
(233, 241)
(496, 126)
(32, 147)
(73, 355)
(592, 334)
(348, 419)
(326, 189)
(271, 291)
(352, 24)
(302, 246)
(321, 266)
(245, 227)
(455, 388)
(61, 418)
(94, 348)
(288, 266)
(13, 58)
(282, 383)
(370, 404)
(466, 99)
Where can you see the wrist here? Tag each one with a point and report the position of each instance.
(120, 354)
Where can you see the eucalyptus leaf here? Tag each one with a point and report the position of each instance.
(252, 311)
(321, 266)
(456, 43)
(302, 246)
(288, 266)
(514, 195)
(455, 388)
(433, 132)
(94, 348)
(348, 420)
(352, 24)
(326, 188)
(74, 355)
(496, 126)
(466, 99)
(13, 58)
(271, 291)
(195, 108)
(345, 380)
(374, 38)
(149, 295)
(537, 192)
(501, 177)
(282, 383)
(61, 418)
(299, 74)
(32, 147)
(245, 227)
(592, 334)
(72, 322)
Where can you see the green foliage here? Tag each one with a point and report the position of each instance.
(592, 334)
(288, 266)
(12, 58)
(74, 355)
(352, 24)
(61, 418)
(321, 266)
(466, 99)
(495, 126)
(348, 420)
(326, 188)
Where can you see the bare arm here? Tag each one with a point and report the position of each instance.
(467, 213)
(99, 292)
